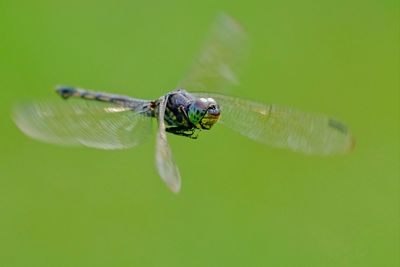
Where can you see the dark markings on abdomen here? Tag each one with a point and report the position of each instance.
(139, 105)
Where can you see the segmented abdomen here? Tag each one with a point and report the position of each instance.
(138, 105)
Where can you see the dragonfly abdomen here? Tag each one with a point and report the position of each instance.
(67, 92)
(139, 105)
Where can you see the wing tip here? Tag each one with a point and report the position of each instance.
(230, 22)
(352, 144)
(18, 119)
(175, 188)
(347, 148)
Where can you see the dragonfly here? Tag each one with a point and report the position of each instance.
(109, 121)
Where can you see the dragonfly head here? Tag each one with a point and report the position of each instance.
(204, 113)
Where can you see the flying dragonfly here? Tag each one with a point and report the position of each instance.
(109, 121)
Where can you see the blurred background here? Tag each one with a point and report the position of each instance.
(242, 204)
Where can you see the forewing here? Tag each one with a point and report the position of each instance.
(79, 122)
(166, 165)
(222, 57)
(284, 127)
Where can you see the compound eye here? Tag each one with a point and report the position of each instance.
(200, 103)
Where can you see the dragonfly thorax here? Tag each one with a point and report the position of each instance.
(186, 114)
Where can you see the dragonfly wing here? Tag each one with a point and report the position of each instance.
(284, 127)
(220, 60)
(88, 123)
(166, 165)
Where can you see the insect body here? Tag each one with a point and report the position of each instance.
(184, 113)
(108, 121)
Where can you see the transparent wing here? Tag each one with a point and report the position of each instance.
(79, 122)
(166, 166)
(284, 127)
(219, 62)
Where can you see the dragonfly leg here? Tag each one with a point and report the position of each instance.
(193, 134)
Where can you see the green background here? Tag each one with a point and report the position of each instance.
(242, 204)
